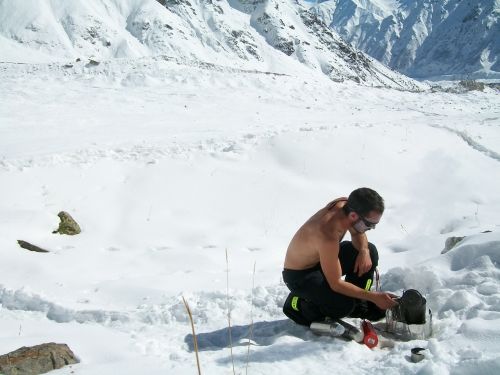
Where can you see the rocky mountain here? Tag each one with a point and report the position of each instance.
(422, 38)
(281, 36)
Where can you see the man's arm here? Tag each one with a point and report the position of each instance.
(363, 260)
(330, 264)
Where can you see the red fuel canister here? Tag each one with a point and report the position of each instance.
(370, 338)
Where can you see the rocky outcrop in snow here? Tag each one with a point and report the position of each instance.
(37, 359)
(67, 225)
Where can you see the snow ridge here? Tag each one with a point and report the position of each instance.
(471, 142)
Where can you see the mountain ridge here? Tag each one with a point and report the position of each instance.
(422, 38)
(268, 35)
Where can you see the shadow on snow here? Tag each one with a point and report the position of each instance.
(259, 334)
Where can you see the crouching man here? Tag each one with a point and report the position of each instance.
(317, 259)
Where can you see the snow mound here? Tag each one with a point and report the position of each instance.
(462, 290)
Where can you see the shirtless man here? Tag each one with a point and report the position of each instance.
(317, 258)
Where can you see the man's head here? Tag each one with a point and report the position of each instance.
(365, 208)
(364, 200)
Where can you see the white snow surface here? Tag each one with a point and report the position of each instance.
(168, 166)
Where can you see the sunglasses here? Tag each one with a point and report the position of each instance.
(369, 224)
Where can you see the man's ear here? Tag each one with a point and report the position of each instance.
(353, 216)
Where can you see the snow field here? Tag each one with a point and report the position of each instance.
(167, 171)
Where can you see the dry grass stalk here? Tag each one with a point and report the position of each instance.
(229, 312)
(195, 341)
(250, 337)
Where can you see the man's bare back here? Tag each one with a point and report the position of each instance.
(303, 251)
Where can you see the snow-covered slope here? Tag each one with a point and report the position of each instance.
(422, 38)
(269, 35)
(165, 166)
(189, 161)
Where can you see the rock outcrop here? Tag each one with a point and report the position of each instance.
(67, 225)
(28, 246)
(37, 359)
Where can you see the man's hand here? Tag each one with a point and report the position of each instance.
(383, 300)
(363, 263)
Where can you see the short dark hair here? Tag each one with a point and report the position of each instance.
(364, 200)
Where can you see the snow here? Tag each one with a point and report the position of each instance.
(168, 167)
(166, 172)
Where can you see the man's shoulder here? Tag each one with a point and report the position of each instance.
(336, 202)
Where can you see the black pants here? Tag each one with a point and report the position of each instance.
(312, 299)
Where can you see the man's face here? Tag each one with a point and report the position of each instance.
(364, 223)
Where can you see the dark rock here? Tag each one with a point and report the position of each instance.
(285, 46)
(37, 359)
(93, 62)
(236, 33)
(493, 85)
(67, 225)
(218, 9)
(176, 2)
(450, 243)
(471, 85)
(253, 52)
(30, 247)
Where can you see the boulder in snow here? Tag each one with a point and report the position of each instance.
(67, 225)
(31, 247)
(37, 359)
(450, 243)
